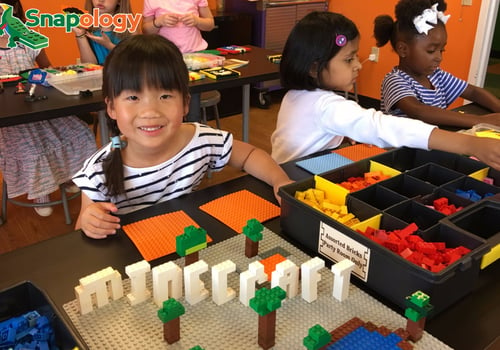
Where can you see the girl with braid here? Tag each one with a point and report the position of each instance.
(153, 156)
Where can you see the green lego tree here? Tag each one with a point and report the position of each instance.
(418, 307)
(317, 337)
(253, 233)
(190, 243)
(170, 315)
(265, 303)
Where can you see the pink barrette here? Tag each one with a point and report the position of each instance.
(340, 40)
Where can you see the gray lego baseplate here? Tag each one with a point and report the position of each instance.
(233, 325)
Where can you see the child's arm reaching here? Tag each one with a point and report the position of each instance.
(95, 219)
(485, 149)
(259, 164)
(483, 98)
(438, 116)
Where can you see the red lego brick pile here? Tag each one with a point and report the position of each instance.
(357, 183)
(433, 256)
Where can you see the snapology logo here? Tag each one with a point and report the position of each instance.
(21, 32)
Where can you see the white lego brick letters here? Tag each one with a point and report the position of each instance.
(194, 288)
(342, 276)
(286, 276)
(255, 273)
(167, 282)
(310, 278)
(220, 291)
(137, 274)
(96, 283)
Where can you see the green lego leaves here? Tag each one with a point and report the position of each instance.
(171, 309)
(267, 300)
(193, 240)
(253, 230)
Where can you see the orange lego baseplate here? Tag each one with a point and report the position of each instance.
(155, 237)
(270, 264)
(235, 209)
(359, 151)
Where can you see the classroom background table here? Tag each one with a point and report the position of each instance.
(57, 264)
(15, 110)
(259, 69)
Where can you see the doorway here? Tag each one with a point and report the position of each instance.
(492, 78)
(485, 63)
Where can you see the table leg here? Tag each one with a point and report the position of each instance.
(245, 103)
(103, 127)
(194, 108)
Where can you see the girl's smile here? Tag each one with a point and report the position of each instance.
(149, 119)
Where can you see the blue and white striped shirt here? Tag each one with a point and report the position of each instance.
(398, 85)
(209, 150)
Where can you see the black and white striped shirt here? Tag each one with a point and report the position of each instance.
(398, 84)
(209, 150)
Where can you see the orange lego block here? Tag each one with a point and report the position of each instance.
(359, 151)
(270, 264)
(235, 209)
(155, 237)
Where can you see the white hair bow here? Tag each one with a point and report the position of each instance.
(428, 19)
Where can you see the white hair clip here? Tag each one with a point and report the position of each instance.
(428, 19)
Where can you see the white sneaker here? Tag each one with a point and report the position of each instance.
(71, 188)
(43, 211)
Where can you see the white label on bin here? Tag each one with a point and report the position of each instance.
(337, 246)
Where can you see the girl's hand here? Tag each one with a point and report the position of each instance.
(487, 150)
(189, 20)
(97, 222)
(277, 186)
(79, 31)
(166, 20)
(103, 40)
(492, 118)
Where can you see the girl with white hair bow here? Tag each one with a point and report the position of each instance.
(417, 87)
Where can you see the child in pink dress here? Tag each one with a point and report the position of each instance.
(36, 158)
(179, 21)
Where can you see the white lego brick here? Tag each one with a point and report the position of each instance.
(286, 276)
(221, 293)
(342, 272)
(137, 274)
(310, 278)
(255, 273)
(194, 288)
(167, 282)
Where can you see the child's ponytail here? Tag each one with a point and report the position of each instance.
(383, 29)
(113, 164)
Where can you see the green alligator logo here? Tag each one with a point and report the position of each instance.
(19, 32)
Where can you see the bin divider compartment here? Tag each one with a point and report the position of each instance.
(377, 196)
(481, 219)
(434, 174)
(408, 186)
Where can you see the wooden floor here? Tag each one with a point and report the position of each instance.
(24, 227)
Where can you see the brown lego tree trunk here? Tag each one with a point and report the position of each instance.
(267, 330)
(191, 258)
(251, 248)
(415, 329)
(172, 330)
